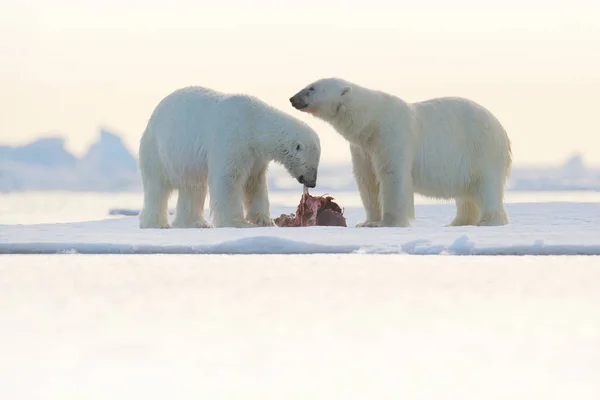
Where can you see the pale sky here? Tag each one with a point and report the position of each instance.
(70, 66)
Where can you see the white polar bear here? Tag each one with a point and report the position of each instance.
(448, 148)
(198, 139)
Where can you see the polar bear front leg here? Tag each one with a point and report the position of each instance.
(226, 207)
(256, 199)
(398, 199)
(368, 186)
(394, 172)
(190, 207)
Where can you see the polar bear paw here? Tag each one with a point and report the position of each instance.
(494, 219)
(197, 224)
(383, 224)
(242, 224)
(369, 224)
(154, 225)
(236, 224)
(203, 224)
(262, 220)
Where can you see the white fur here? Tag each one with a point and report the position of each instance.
(447, 148)
(198, 139)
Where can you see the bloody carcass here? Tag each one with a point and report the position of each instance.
(313, 210)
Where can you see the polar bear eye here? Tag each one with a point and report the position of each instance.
(298, 147)
(312, 89)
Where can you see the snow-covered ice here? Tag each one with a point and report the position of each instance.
(535, 229)
(296, 325)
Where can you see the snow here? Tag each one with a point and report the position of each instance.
(373, 321)
(555, 228)
(299, 327)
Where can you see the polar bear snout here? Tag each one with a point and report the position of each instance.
(308, 183)
(297, 102)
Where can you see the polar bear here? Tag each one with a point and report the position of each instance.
(446, 148)
(198, 139)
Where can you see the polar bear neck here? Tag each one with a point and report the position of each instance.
(355, 113)
(273, 136)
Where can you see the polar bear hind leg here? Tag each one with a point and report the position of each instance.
(490, 199)
(157, 189)
(467, 212)
(190, 206)
(155, 213)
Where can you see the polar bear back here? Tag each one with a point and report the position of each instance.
(202, 116)
(457, 136)
(194, 127)
(183, 129)
(192, 124)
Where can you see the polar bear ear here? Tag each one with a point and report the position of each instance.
(345, 90)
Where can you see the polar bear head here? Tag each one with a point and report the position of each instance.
(301, 155)
(322, 98)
